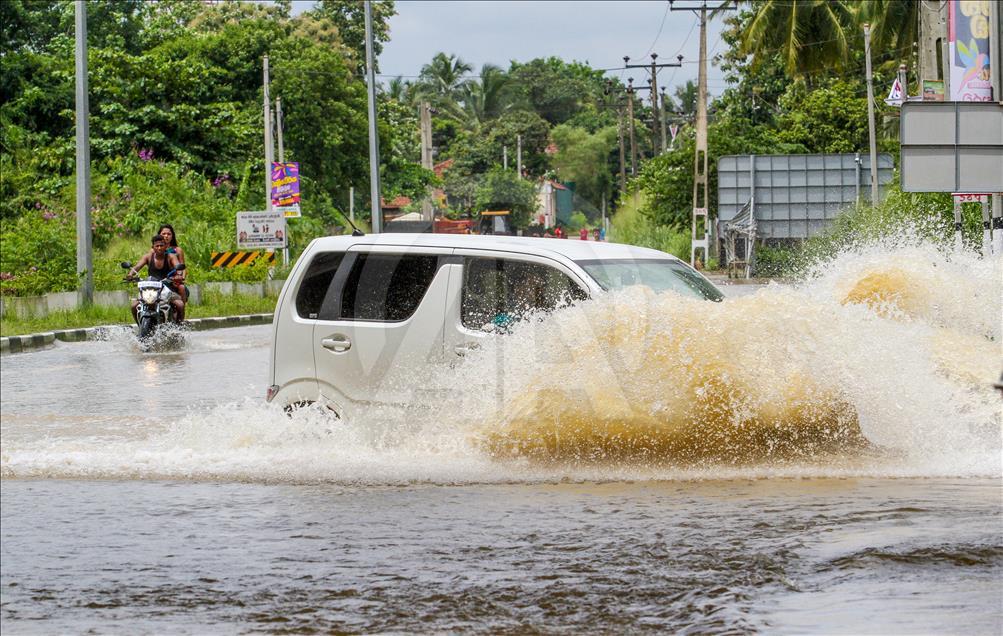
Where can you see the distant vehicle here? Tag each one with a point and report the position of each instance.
(356, 308)
(453, 226)
(495, 222)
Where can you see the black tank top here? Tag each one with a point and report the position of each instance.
(159, 272)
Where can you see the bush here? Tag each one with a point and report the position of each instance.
(38, 253)
(630, 225)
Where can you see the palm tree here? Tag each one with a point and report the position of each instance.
(895, 26)
(399, 89)
(442, 79)
(486, 98)
(809, 35)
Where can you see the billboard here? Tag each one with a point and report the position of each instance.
(968, 50)
(796, 196)
(285, 184)
(951, 147)
(261, 229)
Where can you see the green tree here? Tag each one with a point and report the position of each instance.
(486, 97)
(583, 158)
(830, 118)
(810, 36)
(350, 18)
(555, 89)
(442, 80)
(503, 190)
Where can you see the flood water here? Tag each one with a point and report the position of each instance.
(157, 493)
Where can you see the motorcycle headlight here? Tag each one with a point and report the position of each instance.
(149, 296)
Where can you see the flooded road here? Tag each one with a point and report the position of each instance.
(157, 493)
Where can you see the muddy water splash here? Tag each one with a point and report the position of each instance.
(890, 351)
(881, 364)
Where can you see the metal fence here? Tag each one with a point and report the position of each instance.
(796, 196)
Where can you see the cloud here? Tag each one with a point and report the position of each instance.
(599, 33)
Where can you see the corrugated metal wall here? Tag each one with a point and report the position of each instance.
(796, 196)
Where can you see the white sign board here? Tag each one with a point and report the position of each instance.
(260, 229)
(289, 211)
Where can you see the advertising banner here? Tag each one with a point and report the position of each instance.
(968, 46)
(260, 229)
(285, 184)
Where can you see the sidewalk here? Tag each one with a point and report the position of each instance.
(31, 342)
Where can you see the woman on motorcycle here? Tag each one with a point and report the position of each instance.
(171, 237)
(159, 264)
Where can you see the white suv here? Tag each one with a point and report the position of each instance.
(357, 308)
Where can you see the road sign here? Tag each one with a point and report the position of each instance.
(260, 229)
(289, 211)
(233, 259)
(970, 197)
(951, 146)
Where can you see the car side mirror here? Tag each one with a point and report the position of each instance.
(180, 267)
(125, 264)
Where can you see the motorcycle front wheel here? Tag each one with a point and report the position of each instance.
(147, 325)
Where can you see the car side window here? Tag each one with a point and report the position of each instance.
(316, 283)
(386, 287)
(498, 292)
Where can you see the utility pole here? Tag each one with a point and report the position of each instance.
(665, 141)
(653, 70)
(351, 203)
(278, 128)
(619, 134)
(630, 126)
(376, 206)
(426, 156)
(932, 40)
(518, 155)
(85, 267)
(870, 116)
(505, 157)
(268, 141)
(996, 60)
(282, 159)
(701, 236)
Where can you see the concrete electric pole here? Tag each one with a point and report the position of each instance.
(701, 236)
(425, 120)
(518, 156)
(870, 116)
(376, 206)
(630, 126)
(85, 267)
(996, 66)
(269, 157)
(658, 115)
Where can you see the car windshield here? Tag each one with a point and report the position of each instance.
(660, 274)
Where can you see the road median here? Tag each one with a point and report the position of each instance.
(36, 341)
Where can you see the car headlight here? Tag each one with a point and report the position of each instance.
(149, 296)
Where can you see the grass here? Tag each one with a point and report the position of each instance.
(631, 226)
(213, 304)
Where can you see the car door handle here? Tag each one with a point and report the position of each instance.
(466, 347)
(338, 343)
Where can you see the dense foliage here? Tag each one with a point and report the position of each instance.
(176, 122)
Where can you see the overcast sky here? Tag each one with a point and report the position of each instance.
(597, 32)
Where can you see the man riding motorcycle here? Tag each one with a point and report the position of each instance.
(159, 264)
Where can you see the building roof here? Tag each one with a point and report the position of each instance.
(442, 166)
(396, 202)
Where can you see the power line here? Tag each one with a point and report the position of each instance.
(659, 34)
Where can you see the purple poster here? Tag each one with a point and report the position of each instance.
(285, 183)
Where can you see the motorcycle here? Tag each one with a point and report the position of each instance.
(155, 306)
